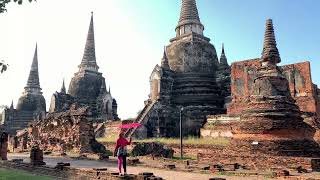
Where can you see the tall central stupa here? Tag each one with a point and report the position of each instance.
(187, 82)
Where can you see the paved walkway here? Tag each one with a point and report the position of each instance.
(111, 165)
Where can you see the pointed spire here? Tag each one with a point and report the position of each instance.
(222, 48)
(270, 53)
(109, 90)
(33, 79)
(164, 61)
(63, 88)
(189, 17)
(11, 106)
(89, 57)
(223, 57)
(189, 11)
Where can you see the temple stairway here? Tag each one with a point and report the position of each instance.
(140, 118)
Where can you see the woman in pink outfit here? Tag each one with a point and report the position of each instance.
(121, 152)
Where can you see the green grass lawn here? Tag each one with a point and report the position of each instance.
(187, 141)
(6, 174)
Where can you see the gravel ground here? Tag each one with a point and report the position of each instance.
(166, 174)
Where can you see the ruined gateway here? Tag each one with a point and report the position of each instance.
(190, 77)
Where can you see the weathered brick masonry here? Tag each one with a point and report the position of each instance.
(67, 131)
(298, 75)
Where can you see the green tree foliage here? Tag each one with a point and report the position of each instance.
(3, 67)
(3, 4)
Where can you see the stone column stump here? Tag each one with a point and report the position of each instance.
(36, 156)
(315, 165)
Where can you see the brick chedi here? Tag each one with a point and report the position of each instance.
(272, 120)
(87, 87)
(31, 105)
(189, 78)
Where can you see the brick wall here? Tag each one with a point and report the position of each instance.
(298, 75)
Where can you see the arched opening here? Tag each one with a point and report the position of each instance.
(106, 107)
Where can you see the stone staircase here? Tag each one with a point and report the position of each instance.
(140, 118)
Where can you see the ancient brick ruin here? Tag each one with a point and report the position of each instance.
(87, 88)
(272, 118)
(66, 131)
(31, 104)
(298, 75)
(190, 77)
(243, 74)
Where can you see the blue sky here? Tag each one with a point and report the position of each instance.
(240, 25)
(130, 35)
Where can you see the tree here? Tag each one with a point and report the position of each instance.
(3, 4)
(3, 67)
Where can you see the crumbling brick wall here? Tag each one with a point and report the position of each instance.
(298, 75)
(65, 131)
(242, 76)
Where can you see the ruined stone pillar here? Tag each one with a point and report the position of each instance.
(36, 156)
(4, 146)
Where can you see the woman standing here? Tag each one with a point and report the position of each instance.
(121, 152)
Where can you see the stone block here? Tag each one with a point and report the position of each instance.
(103, 156)
(216, 168)
(300, 169)
(315, 165)
(133, 161)
(154, 178)
(229, 167)
(169, 166)
(282, 173)
(62, 165)
(144, 175)
(154, 149)
(205, 167)
(17, 160)
(36, 156)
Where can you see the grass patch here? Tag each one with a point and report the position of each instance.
(111, 138)
(175, 141)
(6, 174)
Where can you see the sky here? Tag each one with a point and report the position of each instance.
(130, 35)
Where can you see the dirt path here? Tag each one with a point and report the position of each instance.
(111, 165)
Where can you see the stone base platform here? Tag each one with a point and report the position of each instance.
(219, 126)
